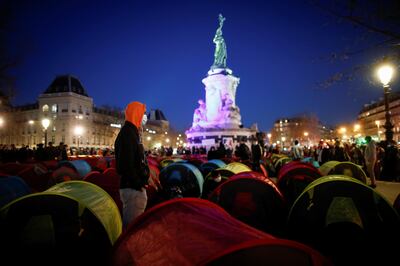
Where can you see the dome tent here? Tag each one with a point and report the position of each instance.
(73, 220)
(345, 220)
(11, 188)
(207, 167)
(226, 172)
(254, 201)
(181, 180)
(80, 166)
(343, 168)
(193, 231)
(294, 177)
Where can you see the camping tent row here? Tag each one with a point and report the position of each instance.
(74, 217)
(193, 231)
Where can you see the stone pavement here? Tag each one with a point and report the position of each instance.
(389, 190)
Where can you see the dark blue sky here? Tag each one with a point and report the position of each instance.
(158, 52)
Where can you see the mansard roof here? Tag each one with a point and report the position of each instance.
(66, 83)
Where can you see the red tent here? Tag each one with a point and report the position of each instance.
(294, 177)
(109, 181)
(193, 231)
(254, 201)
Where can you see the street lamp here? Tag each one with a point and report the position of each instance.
(306, 137)
(30, 122)
(78, 132)
(385, 73)
(378, 123)
(45, 124)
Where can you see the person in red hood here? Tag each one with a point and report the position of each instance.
(131, 163)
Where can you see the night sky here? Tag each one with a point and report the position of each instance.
(158, 52)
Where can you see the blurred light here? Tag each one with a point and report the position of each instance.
(269, 135)
(305, 134)
(45, 123)
(356, 127)
(167, 140)
(31, 122)
(385, 74)
(78, 130)
(1, 121)
(157, 145)
(342, 130)
(148, 138)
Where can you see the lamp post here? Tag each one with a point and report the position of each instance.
(385, 73)
(30, 122)
(45, 124)
(378, 123)
(306, 137)
(78, 132)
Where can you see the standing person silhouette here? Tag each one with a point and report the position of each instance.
(370, 159)
(131, 162)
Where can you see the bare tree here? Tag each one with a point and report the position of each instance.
(379, 22)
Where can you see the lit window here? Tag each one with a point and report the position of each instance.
(54, 108)
(45, 108)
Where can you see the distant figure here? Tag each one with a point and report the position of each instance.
(296, 151)
(256, 154)
(131, 162)
(370, 159)
(62, 152)
(242, 151)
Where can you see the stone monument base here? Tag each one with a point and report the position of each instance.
(209, 137)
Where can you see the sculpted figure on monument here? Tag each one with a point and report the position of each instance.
(220, 46)
(199, 115)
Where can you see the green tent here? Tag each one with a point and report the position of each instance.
(343, 168)
(75, 219)
(346, 220)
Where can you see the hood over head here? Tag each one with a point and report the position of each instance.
(134, 113)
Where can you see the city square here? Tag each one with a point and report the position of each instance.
(215, 133)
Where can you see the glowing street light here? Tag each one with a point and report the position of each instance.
(78, 132)
(385, 74)
(31, 123)
(45, 124)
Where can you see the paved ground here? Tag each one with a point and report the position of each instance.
(389, 190)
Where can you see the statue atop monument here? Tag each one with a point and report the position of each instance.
(220, 46)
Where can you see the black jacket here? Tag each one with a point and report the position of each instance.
(130, 159)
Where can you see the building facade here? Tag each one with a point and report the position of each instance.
(308, 130)
(74, 119)
(372, 118)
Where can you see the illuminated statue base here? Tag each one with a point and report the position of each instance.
(218, 117)
(209, 137)
(219, 109)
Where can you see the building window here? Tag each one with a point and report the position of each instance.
(54, 108)
(45, 108)
(63, 138)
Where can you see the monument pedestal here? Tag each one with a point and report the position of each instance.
(209, 137)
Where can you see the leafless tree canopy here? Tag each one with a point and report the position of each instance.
(379, 24)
